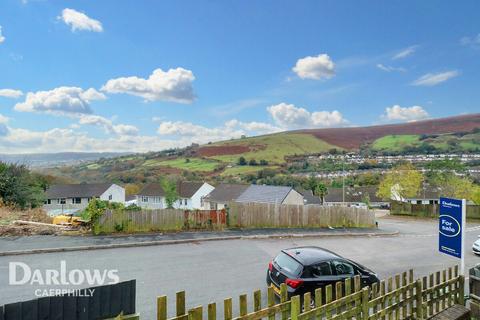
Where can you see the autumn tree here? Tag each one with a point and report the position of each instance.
(169, 187)
(403, 181)
(454, 186)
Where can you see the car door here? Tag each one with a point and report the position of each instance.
(345, 269)
(322, 274)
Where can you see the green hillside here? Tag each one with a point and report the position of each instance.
(221, 159)
(274, 148)
(451, 143)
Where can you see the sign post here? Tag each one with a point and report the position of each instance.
(451, 229)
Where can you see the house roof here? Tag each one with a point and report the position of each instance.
(309, 197)
(185, 189)
(264, 194)
(82, 190)
(225, 192)
(353, 194)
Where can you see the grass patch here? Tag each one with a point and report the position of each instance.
(93, 166)
(395, 142)
(275, 147)
(244, 170)
(193, 164)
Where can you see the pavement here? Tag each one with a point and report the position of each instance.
(210, 271)
(53, 243)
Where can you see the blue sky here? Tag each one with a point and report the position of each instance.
(147, 75)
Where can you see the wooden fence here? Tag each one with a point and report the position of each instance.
(427, 210)
(399, 297)
(106, 301)
(259, 215)
(161, 220)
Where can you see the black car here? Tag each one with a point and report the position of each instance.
(305, 269)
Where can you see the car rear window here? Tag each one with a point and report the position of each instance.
(288, 264)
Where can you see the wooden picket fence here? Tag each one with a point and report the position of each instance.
(399, 297)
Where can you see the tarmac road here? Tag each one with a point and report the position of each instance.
(212, 271)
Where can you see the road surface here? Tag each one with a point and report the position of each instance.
(211, 271)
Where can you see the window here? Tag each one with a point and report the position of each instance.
(321, 269)
(76, 200)
(288, 264)
(49, 201)
(110, 197)
(185, 201)
(144, 199)
(343, 268)
(62, 201)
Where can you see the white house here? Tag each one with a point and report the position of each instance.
(190, 195)
(62, 198)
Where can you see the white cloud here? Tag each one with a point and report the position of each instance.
(318, 67)
(201, 134)
(71, 101)
(471, 41)
(405, 53)
(10, 93)
(288, 116)
(3, 125)
(390, 68)
(432, 79)
(19, 140)
(108, 126)
(173, 85)
(3, 119)
(80, 21)
(397, 113)
(2, 38)
(253, 126)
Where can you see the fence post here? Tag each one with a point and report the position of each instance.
(295, 308)
(418, 298)
(195, 313)
(162, 308)
(212, 311)
(180, 301)
(365, 309)
(461, 294)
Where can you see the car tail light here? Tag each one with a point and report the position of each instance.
(270, 266)
(294, 283)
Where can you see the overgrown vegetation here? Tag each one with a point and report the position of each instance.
(20, 187)
(169, 186)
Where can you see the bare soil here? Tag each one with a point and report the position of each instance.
(9, 214)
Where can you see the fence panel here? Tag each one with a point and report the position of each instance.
(161, 220)
(400, 297)
(427, 210)
(260, 215)
(103, 302)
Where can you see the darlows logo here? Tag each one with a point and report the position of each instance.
(449, 226)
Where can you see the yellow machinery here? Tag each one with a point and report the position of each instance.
(68, 219)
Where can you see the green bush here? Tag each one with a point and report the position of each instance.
(95, 209)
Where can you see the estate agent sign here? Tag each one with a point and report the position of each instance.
(451, 228)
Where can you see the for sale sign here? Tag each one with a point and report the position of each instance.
(451, 225)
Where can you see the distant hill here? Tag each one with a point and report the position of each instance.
(459, 134)
(55, 159)
(353, 138)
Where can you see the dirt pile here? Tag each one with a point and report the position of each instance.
(8, 228)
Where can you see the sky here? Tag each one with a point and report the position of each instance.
(138, 75)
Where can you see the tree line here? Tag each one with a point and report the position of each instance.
(21, 187)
